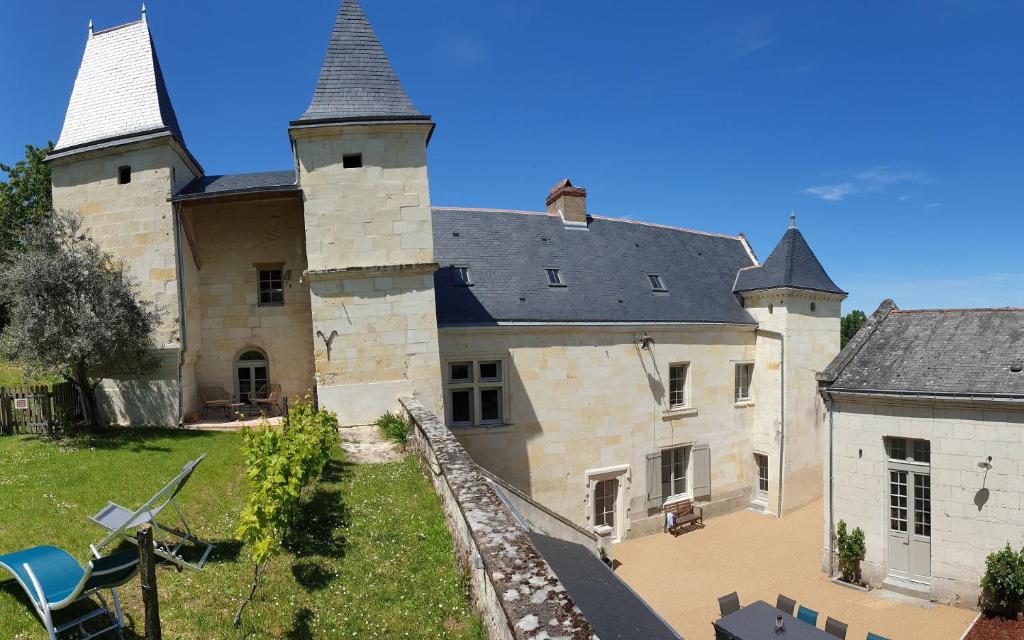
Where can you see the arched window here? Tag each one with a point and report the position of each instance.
(252, 374)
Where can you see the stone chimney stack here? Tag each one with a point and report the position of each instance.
(569, 202)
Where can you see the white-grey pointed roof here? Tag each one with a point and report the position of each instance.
(356, 80)
(119, 92)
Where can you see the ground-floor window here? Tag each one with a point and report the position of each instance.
(604, 502)
(674, 463)
(762, 474)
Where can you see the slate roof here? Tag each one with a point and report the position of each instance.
(217, 186)
(791, 265)
(604, 266)
(613, 609)
(119, 91)
(943, 352)
(356, 80)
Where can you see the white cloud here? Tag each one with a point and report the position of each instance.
(867, 181)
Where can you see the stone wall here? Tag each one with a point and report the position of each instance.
(134, 222)
(513, 587)
(973, 513)
(811, 339)
(369, 244)
(233, 239)
(583, 401)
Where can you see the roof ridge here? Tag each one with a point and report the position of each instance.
(956, 309)
(595, 217)
(115, 28)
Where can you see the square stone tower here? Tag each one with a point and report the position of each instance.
(360, 151)
(119, 159)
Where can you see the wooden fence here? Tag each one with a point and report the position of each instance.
(38, 408)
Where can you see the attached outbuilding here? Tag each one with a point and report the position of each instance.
(924, 449)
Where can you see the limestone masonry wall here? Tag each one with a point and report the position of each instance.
(513, 587)
(973, 512)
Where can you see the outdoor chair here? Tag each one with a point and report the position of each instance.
(729, 604)
(835, 628)
(875, 636)
(810, 616)
(119, 521)
(54, 580)
(785, 605)
(269, 397)
(216, 398)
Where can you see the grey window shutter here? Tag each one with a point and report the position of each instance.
(701, 471)
(654, 479)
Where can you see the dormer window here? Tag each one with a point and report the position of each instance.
(555, 278)
(657, 284)
(460, 276)
(124, 174)
(351, 160)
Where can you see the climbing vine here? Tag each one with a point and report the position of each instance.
(281, 461)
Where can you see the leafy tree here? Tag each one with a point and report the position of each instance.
(850, 325)
(24, 198)
(73, 309)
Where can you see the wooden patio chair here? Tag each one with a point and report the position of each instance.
(215, 398)
(269, 396)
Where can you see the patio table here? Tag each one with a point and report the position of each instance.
(756, 621)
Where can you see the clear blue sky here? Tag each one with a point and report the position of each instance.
(894, 129)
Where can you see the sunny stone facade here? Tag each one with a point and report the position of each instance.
(617, 351)
(931, 467)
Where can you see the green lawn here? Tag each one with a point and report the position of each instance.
(373, 558)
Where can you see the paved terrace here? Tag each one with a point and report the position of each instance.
(760, 556)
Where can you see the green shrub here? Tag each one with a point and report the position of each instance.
(850, 549)
(1002, 585)
(395, 427)
(280, 462)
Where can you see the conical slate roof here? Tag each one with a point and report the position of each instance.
(357, 81)
(119, 92)
(791, 265)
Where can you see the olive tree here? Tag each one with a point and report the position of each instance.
(73, 309)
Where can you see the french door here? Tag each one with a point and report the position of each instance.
(910, 522)
(250, 376)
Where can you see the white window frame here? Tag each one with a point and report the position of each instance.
(736, 386)
(687, 451)
(475, 384)
(687, 402)
(657, 282)
(617, 472)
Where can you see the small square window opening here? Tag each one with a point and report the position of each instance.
(352, 160)
(124, 174)
(657, 284)
(460, 276)
(555, 278)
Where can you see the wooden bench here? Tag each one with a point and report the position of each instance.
(685, 516)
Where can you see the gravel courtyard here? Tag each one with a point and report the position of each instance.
(760, 556)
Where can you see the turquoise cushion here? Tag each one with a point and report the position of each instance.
(57, 571)
(810, 616)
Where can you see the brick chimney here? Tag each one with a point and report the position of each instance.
(569, 202)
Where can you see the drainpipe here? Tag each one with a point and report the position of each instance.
(182, 324)
(782, 408)
(831, 506)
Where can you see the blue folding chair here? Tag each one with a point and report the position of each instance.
(54, 580)
(875, 636)
(810, 616)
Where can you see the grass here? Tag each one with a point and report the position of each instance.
(12, 376)
(394, 427)
(373, 558)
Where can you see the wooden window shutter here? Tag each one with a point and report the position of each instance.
(701, 471)
(654, 479)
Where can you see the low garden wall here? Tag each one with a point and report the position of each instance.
(513, 588)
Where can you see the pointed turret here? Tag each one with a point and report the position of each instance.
(792, 265)
(119, 95)
(357, 82)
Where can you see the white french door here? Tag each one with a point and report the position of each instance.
(910, 522)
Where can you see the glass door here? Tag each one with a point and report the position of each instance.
(251, 376)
